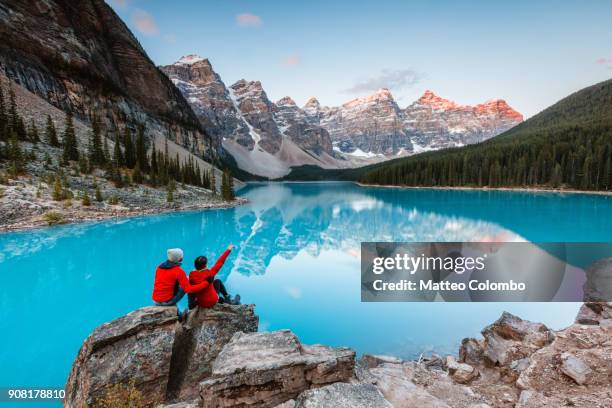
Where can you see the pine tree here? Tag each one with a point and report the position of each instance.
(86, 201)
(107, 156)
(58, 192)
(96, 153)
(213, 181)
(13, 116)
(33, 133)
(227, 187)
(99, 197)
(118, 160)
(557, 177)
(15, 156)
(84, 165)
(3, 116)
(141, 151)
(51, 133)
(171, 188)
(69, 141)
(22, 132)
(128, 145)
(137, 174)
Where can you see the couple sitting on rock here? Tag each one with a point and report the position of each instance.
(171, 282)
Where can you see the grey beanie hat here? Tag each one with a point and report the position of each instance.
(175, 255)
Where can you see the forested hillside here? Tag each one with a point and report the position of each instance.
(568, 145)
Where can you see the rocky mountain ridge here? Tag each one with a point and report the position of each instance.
(216, 358)
(82, 58)
(364, 130)
(265, 138)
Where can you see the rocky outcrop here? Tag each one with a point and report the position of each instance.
(279, 369)
(149, 350)
(595, 313)
(510, 339)
(218, 355)
(83, 58)
(136, 348)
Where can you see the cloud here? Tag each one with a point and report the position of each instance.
(604, 61)
(145, 23)
(248, 20)
(292, 60)
(388, 78)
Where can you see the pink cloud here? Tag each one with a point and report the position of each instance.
(601, 61)
(292, 60)
(145, 23)
(248, 20)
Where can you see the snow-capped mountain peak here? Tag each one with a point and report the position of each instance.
(286, 101)
(431, 99)
(189, 59)
(382, 95)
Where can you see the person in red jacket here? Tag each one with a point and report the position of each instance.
(209, 295)
(171, 282)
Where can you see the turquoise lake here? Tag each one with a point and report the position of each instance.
(296, 258)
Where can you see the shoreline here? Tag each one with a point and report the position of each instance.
(38, 222)
(510, 189)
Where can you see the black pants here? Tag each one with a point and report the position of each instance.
(219, 288)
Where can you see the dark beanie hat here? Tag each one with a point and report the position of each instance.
(201, 262)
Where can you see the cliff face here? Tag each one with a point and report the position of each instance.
(210, 99)
(80, 56)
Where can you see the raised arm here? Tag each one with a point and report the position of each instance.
(221, 260)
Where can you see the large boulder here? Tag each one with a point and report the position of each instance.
(151, 353)
(343, 395)
(395, 383)
(133, 349)
(200, 340)
(267, 369)
(595, 313)
(511, 338)
(462, 373)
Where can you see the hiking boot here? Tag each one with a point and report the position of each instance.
(235, 300)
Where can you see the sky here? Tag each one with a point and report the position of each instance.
(529, 53)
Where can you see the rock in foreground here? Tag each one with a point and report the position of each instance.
(216, 359)
(343, 395)
(267, 369)
(149, 350)
(135, 348)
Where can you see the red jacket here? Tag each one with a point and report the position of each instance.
(167, 276)
(208, 296)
